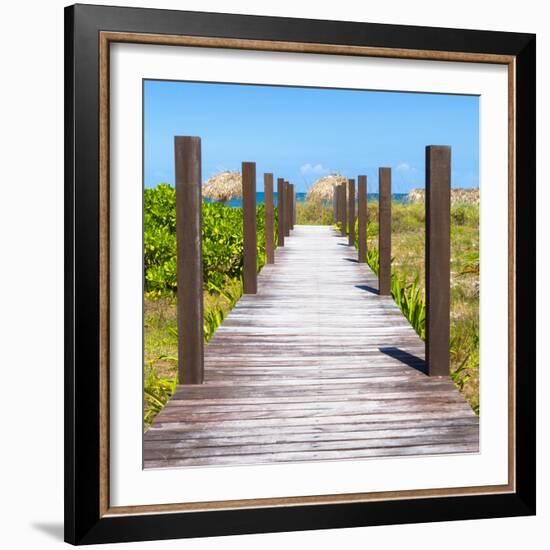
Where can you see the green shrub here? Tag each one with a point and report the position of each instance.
(313, 213)
(222, 242)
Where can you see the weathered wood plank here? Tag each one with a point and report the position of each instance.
(429, 449)
(173, 451)
(214, 439)
(170, 432)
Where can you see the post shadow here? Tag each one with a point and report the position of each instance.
(367, 288)
(406, 358)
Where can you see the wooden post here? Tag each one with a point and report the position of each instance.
(351, 212)
(384, 231)
(189, 259)
(438, 258)
(362, 219)
(288, 213)
(280, 212)
(268, 222)
(334, 204)
(291, 204)
(344, 210)
(249, 227)
(338, 196)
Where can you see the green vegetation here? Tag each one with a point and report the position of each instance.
(222, 247)
(408, 275)
(223, 264)
(222, 237)
(313, 213)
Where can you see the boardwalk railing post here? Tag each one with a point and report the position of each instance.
(249, 227)
(293, 206)
(189, 259)
(268, 222)
(291, 200)
(280, 212)
(362, 219)
(344, 210)
(351, 212)
(338, 192)
(334, 204)
(288, 212)
(438, 258)
(384, 231)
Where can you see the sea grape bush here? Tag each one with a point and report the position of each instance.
(222, 242)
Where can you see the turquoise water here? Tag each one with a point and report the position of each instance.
(301, 197)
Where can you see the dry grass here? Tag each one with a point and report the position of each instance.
(313, 213)
(161, 329)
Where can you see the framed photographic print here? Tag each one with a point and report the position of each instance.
(299, 274)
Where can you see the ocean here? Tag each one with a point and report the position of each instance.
(301, 197)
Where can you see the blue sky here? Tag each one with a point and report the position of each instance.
(304, 133)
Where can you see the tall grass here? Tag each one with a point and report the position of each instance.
(158, 387)
(313, 213)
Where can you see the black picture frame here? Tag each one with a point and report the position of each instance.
(84, 523)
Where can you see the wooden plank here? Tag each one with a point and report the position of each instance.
(189, 259)
(269, 219)
(228, 447)
(325, 432)
(420, 417)
(438, 258)
(314, 455)
(384, 231)
(271, 436)
(362, 219)
(280, 212)
(351, 212)
(250, 285)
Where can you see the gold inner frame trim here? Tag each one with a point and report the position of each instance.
(105, 39)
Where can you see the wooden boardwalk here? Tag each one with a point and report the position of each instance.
(315, 366)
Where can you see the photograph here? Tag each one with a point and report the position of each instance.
(299, 274)
(335, 276)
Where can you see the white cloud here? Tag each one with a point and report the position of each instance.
(403, 167)
(313, 169)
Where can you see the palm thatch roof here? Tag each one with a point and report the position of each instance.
(323, 189)
(459, 195)
(223, 186)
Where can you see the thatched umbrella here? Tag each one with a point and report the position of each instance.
(224, 186)
(459, 195)
(323, 189)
